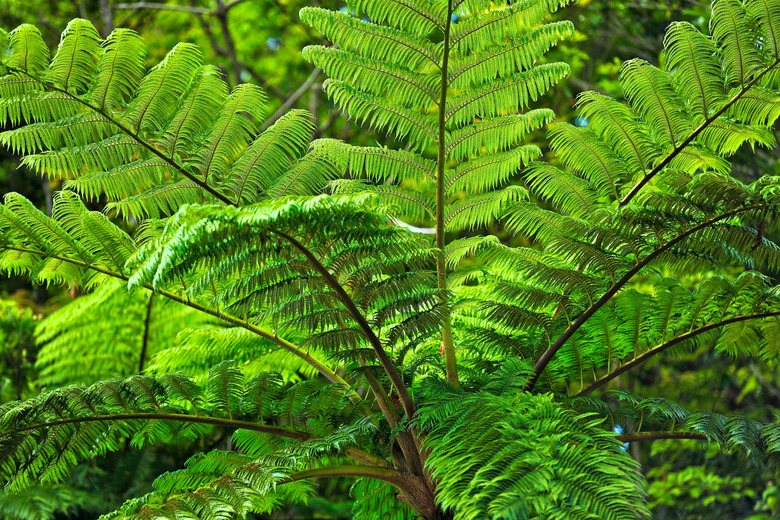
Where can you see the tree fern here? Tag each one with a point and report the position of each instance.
(456, 371)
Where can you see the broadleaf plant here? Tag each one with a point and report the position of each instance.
(450, 373)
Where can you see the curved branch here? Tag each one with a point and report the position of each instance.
(548, 354)
(654, 436)
(384, 474)
(126, 130)
(320, 366)
(660, 348)
(359, 455)
(407, 444)
(334, 284)
(707, 122)
(145, 339)
(213, 421)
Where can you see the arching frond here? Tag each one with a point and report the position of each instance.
(471, 445)
(148, 142)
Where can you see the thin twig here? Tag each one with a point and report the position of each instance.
(294, 97)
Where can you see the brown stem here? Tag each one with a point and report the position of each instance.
(334, 284)
(653, 436)
(214, 421)
(384, 474)
(707, 122)
(145, 339)
(405, 440)
(548, 354)
(660, 348)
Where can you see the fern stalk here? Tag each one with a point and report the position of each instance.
(212, 421)
(657, 436)
(547, 356)
(638, 360)
(145, 340)
(384, 359)
(692, 137)
(448, 345)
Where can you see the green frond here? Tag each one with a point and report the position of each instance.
(498, 134)
(372, 41)
(528, 219)
(418, 128)
(693, 59)
(496, 26)
(231, 131)
(161, 87)
(307, 175)
(730, 29)
(509, 58)
(458, 249)
(195, 350)
(758, 107)
(619, 128)
(407, 202)
(376, 78)
(652, 95)
(418, 17)
(26, 50)
(59, 249)
(491, 450)
(505, 94)
(568, 193)
(152, 141)
(749, 438)
(489, 172)
(381, 164)
(195, 112)
(44, 502)
(580, 150)
(89, 341)
(77, 55)
(726, 137)
(373, 498)
(42, 438)
(119, 69)
(478, 210)
(219, 484)
(766, 16)
(267, 158)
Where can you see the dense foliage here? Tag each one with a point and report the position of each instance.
(429, 318)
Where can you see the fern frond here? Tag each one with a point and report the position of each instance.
(478, 210)
(370, 40)
(693, 58)
(730, 29)
(149, 142)
(470, 449)
(506, 60)
(504, 95)
(496, 26)
(73, 66)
